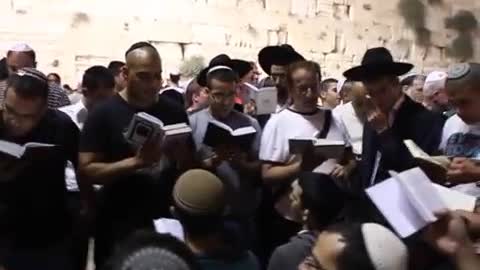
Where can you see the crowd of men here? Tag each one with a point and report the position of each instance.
(183, 203)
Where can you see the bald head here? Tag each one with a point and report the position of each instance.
(142, 56)
(143, 73)
(359, 99)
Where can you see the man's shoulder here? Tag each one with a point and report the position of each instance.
(168, 111)
(60, 119)
(168, 105)
(198, 115)
(454, 124)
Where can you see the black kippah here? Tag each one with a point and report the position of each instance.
(138, 45)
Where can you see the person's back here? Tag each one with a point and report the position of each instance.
(200, 205)
(245, 261)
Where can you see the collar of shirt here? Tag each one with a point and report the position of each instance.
(396, 107)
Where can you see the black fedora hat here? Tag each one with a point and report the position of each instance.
(278, 55)
(375, 63)
(241, 67)
(219, 60)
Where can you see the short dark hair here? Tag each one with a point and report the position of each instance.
(97, 77)
(138, 45)
(175, 78)
(150, 239)
(355, 254)
(29, 83)
(408, 81)
(221, 74)
(116, 67)
(55, 75)
(31, 54)
(199, 225)
(307, 65)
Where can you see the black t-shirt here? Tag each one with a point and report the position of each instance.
(104, 133)
(33, 205)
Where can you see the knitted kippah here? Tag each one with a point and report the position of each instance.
(458, 71)
(34, 73)
(21, 47)
(199, 192)
(386, 251)
(154, 258)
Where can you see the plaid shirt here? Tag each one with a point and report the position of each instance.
(57, 97)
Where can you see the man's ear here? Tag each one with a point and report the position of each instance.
(323, 94)
(124, 72)
(84, 91)
(173, 212)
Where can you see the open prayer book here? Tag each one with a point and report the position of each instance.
(321, 147)
(265, 99)
(144, 126)
(219, 133)
(409, 200)
(434, 166)
(18, 151)
(15, 158)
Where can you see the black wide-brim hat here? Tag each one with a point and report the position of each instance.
(219, 60)
(278, 55)
(377, 62)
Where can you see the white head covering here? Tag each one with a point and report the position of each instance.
(386, 251)
(21, 47)
(435, 82)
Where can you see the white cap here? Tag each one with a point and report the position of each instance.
(435, 82)
(21, 47)
(385, 249)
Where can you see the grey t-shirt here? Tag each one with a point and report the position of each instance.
(242, 190)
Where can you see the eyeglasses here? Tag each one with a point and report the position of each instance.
(221, 96)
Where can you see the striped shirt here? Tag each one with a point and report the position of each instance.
(57, 97)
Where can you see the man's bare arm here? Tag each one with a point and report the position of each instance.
(97, 172)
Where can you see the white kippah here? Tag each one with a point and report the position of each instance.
(21, 47)
(386, 251)
(218, 68)
(435, 82)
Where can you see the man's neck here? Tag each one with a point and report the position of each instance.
(135, 102)
(303, 109)
(216, 116)
(204, 245)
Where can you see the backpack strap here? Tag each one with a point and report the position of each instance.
(326, 125)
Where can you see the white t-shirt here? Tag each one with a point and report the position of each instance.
(350, 125)
(289, 124)
(462, 140)
(78, 113)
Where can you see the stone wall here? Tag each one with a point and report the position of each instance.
(70, 35)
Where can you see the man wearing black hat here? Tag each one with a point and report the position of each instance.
(274, 60)
(393, 117)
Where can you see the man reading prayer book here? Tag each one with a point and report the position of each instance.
(461, 134)
(36, 194)
(235, 160)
